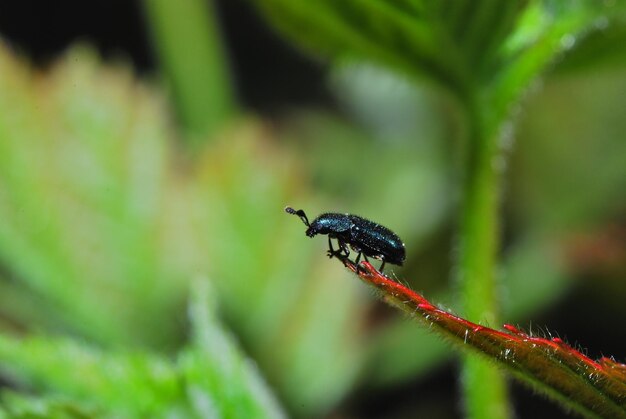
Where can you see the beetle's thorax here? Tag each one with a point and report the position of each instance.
(318, 226)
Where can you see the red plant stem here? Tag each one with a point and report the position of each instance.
(562, 370)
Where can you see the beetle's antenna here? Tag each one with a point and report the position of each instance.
(300, 214)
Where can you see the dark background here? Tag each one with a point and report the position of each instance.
(270, 74)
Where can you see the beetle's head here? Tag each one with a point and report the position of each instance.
(320, 225)
(314, 229)
(311, 230)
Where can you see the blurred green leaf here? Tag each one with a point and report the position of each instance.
(18, 406)
(404, 35)
(294, 316)
(130, 384)
(84, 175)
(545, 32)
(187, 39)
(103, 222)
(601, 47)
(219, 381)
(210, 378)
(459, 44)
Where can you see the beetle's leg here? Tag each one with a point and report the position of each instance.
(382, 266)
(331, 251)
(344, 249)
(345, 254)
(356, 262)
(364, 257)
(337, 253)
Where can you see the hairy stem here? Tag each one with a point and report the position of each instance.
(592, 388)
(484, 387)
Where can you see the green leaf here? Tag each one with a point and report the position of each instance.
(84, 163)
(219, 380)
(18, 406)
(546, 31)
(478, 28)
(130, 384)
(102, 225)
(210, 378)
(405, 35)
(601, 47)
(187, 39)
(476, 49)
(292, 317)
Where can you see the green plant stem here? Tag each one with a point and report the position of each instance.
(187, 41)
(484, 386)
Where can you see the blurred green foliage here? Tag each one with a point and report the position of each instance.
(210, 378)
(106, 217)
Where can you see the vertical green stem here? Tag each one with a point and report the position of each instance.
(484, 386)
(186, 39)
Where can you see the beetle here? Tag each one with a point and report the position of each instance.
(365, 237)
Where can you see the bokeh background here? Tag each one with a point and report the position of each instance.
(107, 212)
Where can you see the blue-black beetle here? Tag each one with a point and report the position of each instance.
(363, 236)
